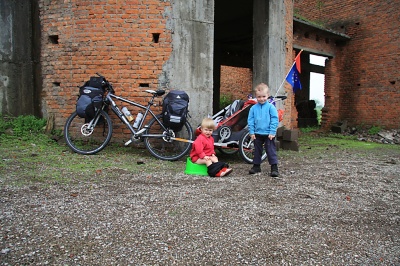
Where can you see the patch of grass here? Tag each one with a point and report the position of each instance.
(32, 157)
(308, 129)
(36, 159)
(314, 146)
(324, 140)
(28, 162)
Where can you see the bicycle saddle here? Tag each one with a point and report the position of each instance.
(157, 92)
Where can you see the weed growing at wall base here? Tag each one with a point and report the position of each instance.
(21, 126)
(374, 130)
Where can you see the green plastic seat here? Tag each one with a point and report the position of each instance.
(195, 169)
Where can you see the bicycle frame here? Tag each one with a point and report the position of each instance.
(147, 111)
(141, 128)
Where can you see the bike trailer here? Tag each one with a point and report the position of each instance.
(236, 114)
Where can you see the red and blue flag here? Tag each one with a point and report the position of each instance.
(293, 77)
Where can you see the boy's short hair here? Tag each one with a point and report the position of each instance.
(208, 123)
(261, 87)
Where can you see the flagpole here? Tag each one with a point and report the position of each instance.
(294, 62)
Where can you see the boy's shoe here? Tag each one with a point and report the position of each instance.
(274, 170)
(255, 169)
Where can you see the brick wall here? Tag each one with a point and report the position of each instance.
(115, 38)
(322, 43)
(236, 82)
(362, 83)
(118, 40)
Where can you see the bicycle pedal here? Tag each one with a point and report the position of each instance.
(128, 142)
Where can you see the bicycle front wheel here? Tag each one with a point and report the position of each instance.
(246, 148)
(165, 148)
(88, 138)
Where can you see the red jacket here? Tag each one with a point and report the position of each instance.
(202, 147)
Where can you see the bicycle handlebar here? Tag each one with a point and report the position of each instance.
(107, 84)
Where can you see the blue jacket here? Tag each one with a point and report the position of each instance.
(263, 119)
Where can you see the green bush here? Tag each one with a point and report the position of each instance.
(318, 109)
(225, 100)
(22, 125)
(374, 130)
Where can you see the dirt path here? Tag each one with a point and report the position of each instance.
(337, 207)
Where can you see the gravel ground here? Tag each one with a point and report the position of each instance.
(335, 208)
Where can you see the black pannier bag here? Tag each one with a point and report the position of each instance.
(175, 109)
(90, 98)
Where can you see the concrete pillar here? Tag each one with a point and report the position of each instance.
(190, 67)
(16, 65)
(269, 44)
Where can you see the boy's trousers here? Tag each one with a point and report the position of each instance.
(262, 141)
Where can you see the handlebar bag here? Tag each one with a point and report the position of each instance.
(89, 101)
(96, 82)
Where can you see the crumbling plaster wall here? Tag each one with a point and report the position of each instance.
(16, 78)
(190, 66)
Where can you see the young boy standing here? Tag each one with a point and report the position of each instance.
(263, 122)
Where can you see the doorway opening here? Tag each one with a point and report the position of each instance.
(233, 51)
(311, 99)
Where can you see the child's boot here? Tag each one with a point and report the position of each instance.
(255, 169)
(274, 170)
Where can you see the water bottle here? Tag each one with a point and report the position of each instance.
(137, 120)
(127, 114)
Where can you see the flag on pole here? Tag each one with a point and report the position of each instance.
(293, 76)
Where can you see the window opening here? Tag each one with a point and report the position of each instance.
(53, 39)
(317, 60)
(156, 37)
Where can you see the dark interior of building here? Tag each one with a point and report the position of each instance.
(233, 38)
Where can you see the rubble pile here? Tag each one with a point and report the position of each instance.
(383, 136)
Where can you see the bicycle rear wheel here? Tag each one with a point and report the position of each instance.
(82, 138)
(165, 148)
(246, 148)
